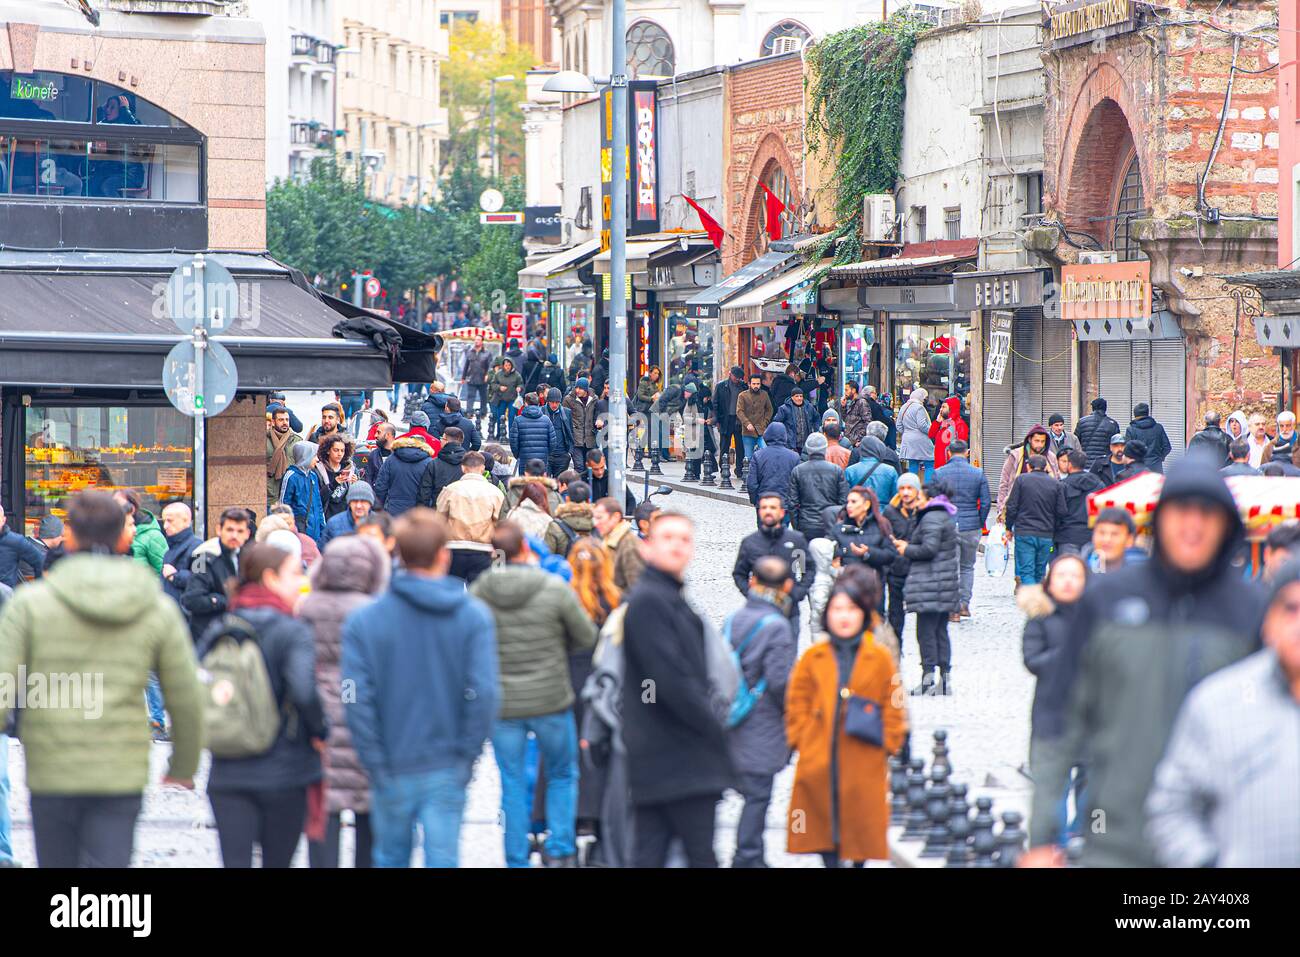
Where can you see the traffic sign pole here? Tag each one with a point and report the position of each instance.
(200, 409)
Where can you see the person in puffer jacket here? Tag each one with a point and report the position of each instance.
(799, 416)
(1094, 432)
(1150, 433)
(533, 436)
(815, 486)
(300, 490)
(772, 465)
(933, 584)
(398, 486)
(451, 417)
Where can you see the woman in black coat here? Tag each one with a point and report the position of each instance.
(263, 798)
(861, 533)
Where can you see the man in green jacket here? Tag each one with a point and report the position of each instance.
(150, 544)
(86, 748)
(539, 625)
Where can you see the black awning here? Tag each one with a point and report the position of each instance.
(72, 319)
(708, 304)
(419, 348)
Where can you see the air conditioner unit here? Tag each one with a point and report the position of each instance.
(1097, 257)
(786, 45)
(879, 218)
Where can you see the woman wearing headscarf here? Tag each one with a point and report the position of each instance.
(1238, 426)
(352, 570)
(844, 718)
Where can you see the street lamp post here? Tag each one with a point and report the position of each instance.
(492, 127)
(568, 81)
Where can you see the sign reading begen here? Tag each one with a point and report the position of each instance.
(1106, 291)
(1086, 17)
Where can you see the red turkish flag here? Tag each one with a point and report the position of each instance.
(710, 224)
(774, 210)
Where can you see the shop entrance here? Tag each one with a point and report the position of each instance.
(934, 356)
(1153, 371)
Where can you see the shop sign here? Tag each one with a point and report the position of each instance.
(26, 88)
(995, 365)
(515, 326)
(1084, 21)
(543, 223)
(1001, 291)
(1106, 291)
(641, 162)
(534, 295)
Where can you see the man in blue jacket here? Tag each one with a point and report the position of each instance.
(968, 489)
(769, 470)
(301, 492)
(799, 416)
(398, 486)
(451, 416)
(534, 436)
(178, 527)
(361, 499)
(14, 547)
(422, 663)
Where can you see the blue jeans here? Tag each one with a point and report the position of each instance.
(557, 740)
(924, 468)
(752, 443)
(1031, 558)
(6, 848)
(154, 701)
(435, 799)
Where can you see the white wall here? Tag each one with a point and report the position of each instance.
(581, 163)
(691, 149)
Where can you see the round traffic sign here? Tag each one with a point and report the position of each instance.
(220, 297)
(372, 287)
(491, 200)
(220, 378)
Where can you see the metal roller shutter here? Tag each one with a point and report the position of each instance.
(1169, 391)
(995, 416)
(1027, 369)
(1115, 362)
(1058, 351)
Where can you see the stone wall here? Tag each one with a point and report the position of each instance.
(237, 458)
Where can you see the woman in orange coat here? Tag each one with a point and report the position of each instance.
(839, 805)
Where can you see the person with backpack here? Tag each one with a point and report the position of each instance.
(105, 615)
(573, 519)
(266, 725)
(844, 717)
(351, 571)
(764, 647)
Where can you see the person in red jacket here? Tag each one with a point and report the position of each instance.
(947, 427)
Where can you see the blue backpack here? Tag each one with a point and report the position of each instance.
(746, 696)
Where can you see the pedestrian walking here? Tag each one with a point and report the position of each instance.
(261, 798)
(857, 413)
(581, 405)
(1135, 457)
(451, 417)
(968, 489)
(302, 492)
(1284, 443)
(353, 570)
(574, 519)
(385, 436)
(620, 540)
(334, 474)
(212, 566)
(1112, 547)
(471, 506)
(1094, 432)
(726, 395)
(770, 468)
(1166, 624)
(753, 413)
(562, 420)
(48, 541)
(539, 624)
(870, 465)
(1260, 442)
(474, 373)
(534, 436)
(798, 415)
(532, 514)
(331, 419)
(280, 519)
(1203, 810)
(764, 643)
(932, 589)
(814, 486)
(1072, 493)
(403, 476)
(280, 440)
(902, 512)
(915, 445)
(178, 526)
(700, 436)
(678, 763)
(360, 500)
(1143, 428)
(1213, 440)
(506, 388)
(419, 429)
(1053, 610)
(149, 545)
(1110, 470)
(843, 717)
(1017, 463)
(422, 663)
(861, 533)
(1031, 519)
(948, 428)
(1059, 440)
(775, 538)
(836, 453)
(87, 767)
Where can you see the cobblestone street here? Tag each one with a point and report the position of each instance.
(987, 721)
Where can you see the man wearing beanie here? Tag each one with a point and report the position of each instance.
(1094, 432)
(561, 457)
(1135, 452)
(361, 499)
(815, 485)
(581, 406)
(419, 422)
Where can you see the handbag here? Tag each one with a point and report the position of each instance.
(862, 718)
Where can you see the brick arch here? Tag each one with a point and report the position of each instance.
(1101, 136)
(771, 153)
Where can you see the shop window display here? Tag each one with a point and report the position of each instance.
(691, 344)
(933, 357)
(71, 448)
(855, 354)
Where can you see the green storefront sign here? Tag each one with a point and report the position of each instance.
(26, 88)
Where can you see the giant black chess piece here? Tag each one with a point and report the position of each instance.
(915, 821)
(939, 810)
(959, 826)
(983, 841)
(1011, 842)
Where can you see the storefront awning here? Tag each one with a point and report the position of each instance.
(535, 275)
(748, 309)
(639, 254)
(1159, 325)
(99, 320)
(709, 303)
(892, 266)
(1279, 290)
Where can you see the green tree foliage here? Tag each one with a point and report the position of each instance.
(480, 51)
(492, 274)
(856, 89)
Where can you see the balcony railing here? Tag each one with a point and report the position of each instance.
(324, 139)
(301, 44)
(324, 52)
(301, 134)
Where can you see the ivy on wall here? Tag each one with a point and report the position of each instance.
(856, 86)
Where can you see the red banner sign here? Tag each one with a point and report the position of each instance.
(515, 326)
